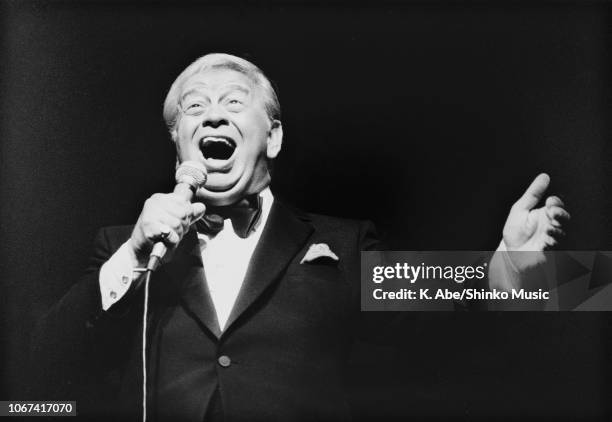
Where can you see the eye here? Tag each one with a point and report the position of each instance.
(193, 108)
(234, 104)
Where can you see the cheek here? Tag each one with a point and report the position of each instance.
(254, 123)
(182, 141)
(255, 134)
(187, 127)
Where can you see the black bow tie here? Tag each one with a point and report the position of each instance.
(244, 215)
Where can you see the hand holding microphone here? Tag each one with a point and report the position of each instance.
(165, 218)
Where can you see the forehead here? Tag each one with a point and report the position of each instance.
(217, 79)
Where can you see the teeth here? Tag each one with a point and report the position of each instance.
(217, 147)
(215, 139)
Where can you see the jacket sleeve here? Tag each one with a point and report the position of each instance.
(76, 345)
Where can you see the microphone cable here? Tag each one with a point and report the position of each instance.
(145, 311)
(190, 176)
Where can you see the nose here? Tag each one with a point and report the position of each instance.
(215, 117)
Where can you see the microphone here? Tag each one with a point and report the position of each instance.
(190, 176)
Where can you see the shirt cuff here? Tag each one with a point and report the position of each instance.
(507, 258)
(117, 275)
(503, 273)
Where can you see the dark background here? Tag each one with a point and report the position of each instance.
(428, 118)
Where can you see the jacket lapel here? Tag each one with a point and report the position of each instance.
(186, 272)
(283, 236)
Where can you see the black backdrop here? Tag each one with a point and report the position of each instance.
(429, 119)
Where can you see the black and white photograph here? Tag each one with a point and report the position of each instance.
(306, 211)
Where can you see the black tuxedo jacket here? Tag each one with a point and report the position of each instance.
(281, 356)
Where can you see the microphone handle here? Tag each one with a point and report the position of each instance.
(160, 249)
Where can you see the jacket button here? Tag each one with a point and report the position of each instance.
(224, 361)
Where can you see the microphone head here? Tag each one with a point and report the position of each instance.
(192, 173)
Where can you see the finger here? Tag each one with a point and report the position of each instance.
(170, 221)
(555, 232)
(173, 238)
(549, 242)
(170, 204)
(164, 234)
(173, 223)
(181, 210)
(534, 192)
(178, 198)
(557, 215)
(554, 201)
(197, 211)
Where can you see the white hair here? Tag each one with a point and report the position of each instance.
(219, 61)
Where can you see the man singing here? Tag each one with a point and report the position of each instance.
(254, 309)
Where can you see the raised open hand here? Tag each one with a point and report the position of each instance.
(535, 229)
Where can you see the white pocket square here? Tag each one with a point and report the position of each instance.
(319, 250)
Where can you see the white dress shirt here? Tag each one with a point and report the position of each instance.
(225, 256)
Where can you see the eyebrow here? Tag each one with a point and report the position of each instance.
(236, 87)
(227, 89)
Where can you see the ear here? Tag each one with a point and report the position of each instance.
(275, 139)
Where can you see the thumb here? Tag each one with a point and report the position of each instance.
(197, 211)
(534, 192)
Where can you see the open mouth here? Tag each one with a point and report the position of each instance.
(217, 147)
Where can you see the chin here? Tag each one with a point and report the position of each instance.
(221, 197)
(228, 188)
